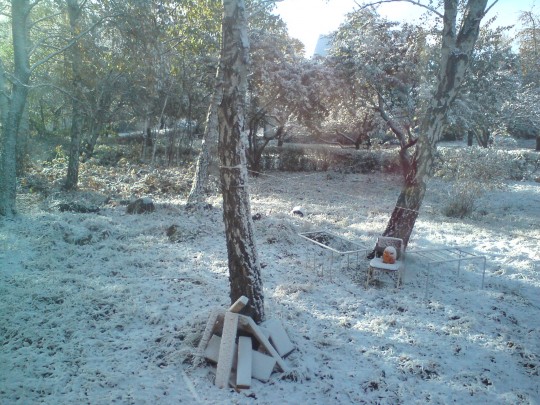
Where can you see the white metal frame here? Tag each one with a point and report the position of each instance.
(357, 248)
(447, 255)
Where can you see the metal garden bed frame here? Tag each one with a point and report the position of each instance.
(447, 255)
(336, 245)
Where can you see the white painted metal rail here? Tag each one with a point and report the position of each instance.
(434, 257)
(336, 245)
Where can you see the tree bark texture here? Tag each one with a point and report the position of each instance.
(72, 177)
(456, 51)
(244, 267)
(12, 106)
(210, 138)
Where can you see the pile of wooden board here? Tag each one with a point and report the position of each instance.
(241, 348)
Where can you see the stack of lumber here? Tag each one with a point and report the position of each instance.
(242, 349)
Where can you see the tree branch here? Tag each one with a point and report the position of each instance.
(391, 123)
(345, 136)
(70, 43)
(414, 2)
(489, 8)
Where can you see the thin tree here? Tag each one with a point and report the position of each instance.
(210, 137)
(530, 54)
(244, 267)
(14, 89)
(12, 104)
(72, 178)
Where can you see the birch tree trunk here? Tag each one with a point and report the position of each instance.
(72, 177)
(210, 137)
(12, 105)
(244, 267)
(456, 51)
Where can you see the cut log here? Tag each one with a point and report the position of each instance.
(226, 349)
(278, 337)
(244, 363)
(262, 366)
(251, 326)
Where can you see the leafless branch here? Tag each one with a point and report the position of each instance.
(489, 8)
(394, 126)
(47, 17)
(414, 2)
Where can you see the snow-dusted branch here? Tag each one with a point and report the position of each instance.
(414, 2)
(70, 43)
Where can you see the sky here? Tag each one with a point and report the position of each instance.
(307, 19)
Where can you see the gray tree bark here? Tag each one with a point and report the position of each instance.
(456, 51)
(72, 177)
(244, 267)
(12, 105)
(210, 138)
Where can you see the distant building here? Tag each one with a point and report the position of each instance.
(323, 45)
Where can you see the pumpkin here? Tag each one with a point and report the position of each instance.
(389, 255)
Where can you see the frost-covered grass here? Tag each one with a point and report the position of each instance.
(103, 308)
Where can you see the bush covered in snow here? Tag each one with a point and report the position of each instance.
(472, 172)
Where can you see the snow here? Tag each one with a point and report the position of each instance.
(104, 308)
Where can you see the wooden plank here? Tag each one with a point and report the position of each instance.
(213, 320)
(264, 331)
(226, 350)
(239, 304)
(262, 366)
(243, 369)
(252, 327)
(278, 337)
(212, 350)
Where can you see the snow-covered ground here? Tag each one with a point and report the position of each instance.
(104, 308)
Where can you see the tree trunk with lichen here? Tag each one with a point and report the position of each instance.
(244, 267)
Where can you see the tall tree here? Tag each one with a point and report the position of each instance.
(12, 104)
(458, 37)
(75, 57)
(244, 266)
(210, 137)
(530, 57)
(492, 82)
(380, 63)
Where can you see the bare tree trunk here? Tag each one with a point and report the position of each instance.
(210, 137)
(72, 177)
(244, 267)
(12, 107)
(22, 142)
(94, 131)
(456, 51)
(154, 147)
